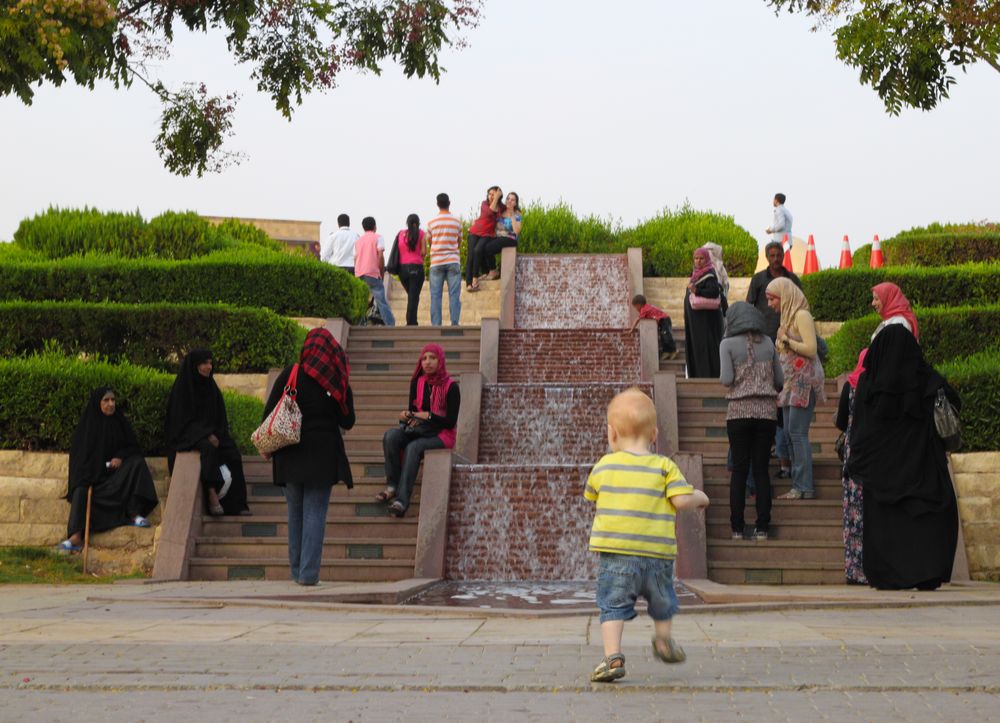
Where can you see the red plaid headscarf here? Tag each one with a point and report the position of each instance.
(324, 360)
(438, 382)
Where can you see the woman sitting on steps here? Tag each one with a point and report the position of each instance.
(428, 423)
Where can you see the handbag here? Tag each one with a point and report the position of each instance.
(421, 428)
(392, 265)
(947, 423)
(283, 426)
(840, 446)
(702, 303)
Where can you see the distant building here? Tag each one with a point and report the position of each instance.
(298, 234)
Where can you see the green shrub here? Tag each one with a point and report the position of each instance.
(287, 285)
(556, 229)
(838, 295)
(936, 249)
(669, 240)
(173, 235)
(57, 233)
(245, 233)
(946, 333)
(153, 335)
(977, 380)
(41, 398)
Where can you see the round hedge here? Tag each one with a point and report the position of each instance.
(935, 249)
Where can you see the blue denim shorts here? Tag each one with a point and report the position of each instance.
(621, 579)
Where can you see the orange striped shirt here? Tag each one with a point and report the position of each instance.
(446, 234)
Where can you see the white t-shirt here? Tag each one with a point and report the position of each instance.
(339, 247)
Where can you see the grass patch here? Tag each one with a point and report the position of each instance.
(19, 565)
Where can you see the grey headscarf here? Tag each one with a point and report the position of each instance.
(743, 318)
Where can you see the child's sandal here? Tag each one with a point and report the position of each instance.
(605, 673)
(672, 652)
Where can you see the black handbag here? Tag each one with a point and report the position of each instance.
(392, 265)
(946, 422)
(421, 428)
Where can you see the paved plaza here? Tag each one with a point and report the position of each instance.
(184, 652)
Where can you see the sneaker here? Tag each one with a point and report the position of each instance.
(67, 546)
(140, 521)
(737, 535)
(759, 535)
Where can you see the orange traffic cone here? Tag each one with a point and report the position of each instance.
(876, 261)
(787, 246)
(812, 263)
(846, 260)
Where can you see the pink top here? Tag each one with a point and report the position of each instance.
(410, 257)
(366, 253)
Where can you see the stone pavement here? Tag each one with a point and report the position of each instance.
(134, 653)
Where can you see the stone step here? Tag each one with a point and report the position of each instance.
(348, 527)
(799, 530)
(400, 333)
(276, 568)
(775, 553)
(341, 507)
(825, 488)
(720, 445)
(334, 548)
(368, 344)
(737, 573)
(818, 510)
(400, 364)
(714, 470)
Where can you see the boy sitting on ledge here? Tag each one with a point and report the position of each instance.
(664, 329)
(638, 494)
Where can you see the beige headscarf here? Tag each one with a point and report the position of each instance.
(792, 301)
(715, 252)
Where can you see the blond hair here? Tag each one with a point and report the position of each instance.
(632, 414)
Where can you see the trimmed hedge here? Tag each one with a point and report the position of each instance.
(41, 398)
(946, 333)
(977, 380)
(935, 249)
(668, 239)
(839, 295)
(152, 335)
(285, 284)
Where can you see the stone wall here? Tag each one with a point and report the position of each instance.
(977, 483)
(540, 424)
(571, 292)
(567, 356)
(33, 511)
(519, 523)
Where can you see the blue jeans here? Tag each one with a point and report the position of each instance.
(453, 274)
(403, 453)
(782, 450)
(797, 421)
(377, 288)
(622, 578)
(307, 505)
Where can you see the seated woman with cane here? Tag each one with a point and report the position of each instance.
(105, 458)
(428, 423)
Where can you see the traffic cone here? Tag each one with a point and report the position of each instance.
(788, 252)
(812, 263)
(876, 261)
(846, 261)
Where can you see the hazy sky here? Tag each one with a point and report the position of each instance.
(619, 108)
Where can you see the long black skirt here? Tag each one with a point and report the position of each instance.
(212, 458)
(702, 336)
(903, 551)
(117, 499)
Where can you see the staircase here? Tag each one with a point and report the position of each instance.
(362, 542)
(806, 544)
(476, 306)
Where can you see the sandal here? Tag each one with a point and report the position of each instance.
(606, 673)
(140, 521)
(216, 510)
(396, 509)
(386, 495)
(792, 494)
(672, 652)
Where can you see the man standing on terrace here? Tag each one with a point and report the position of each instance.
(339, 247)
(781, 226)
(445, 232)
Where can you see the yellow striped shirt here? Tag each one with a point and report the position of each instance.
(634, 513)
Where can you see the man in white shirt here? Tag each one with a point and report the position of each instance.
(781, 226)
(339, 247)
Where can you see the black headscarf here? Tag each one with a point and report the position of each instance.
(97, 439)
(895, 449)
(195, 408)
(744, 318)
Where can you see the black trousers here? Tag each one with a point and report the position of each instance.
(488, 250)
(750, 441)
(411, 276)
(472, 257)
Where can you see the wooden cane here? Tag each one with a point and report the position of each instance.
(86, 530)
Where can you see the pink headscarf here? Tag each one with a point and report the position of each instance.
(439, 381)
(706, 267)
(894, 303)
(853, 377)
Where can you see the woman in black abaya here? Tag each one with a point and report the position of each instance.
(196, 420)
(105, 455)
(910, 513)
